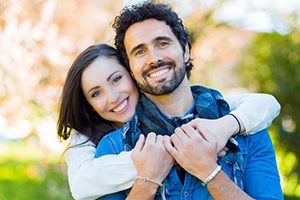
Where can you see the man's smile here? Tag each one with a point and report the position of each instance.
(157, 73)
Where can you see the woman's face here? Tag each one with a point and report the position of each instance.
(109, 89)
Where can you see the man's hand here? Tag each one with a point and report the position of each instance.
(195, 152)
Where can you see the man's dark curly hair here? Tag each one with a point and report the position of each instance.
(140, 12)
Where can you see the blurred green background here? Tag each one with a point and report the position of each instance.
(238, 46)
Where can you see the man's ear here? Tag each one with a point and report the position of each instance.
(186, 53)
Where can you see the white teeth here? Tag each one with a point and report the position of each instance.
(159, 73)
(121, 107)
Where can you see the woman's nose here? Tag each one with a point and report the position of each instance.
(113, 96)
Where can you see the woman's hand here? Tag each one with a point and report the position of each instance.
(151, 158)
(221, 129)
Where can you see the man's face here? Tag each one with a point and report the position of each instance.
(156, 59)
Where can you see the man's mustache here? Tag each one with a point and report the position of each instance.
(160, 64)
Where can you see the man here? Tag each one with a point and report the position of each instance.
(154, 43)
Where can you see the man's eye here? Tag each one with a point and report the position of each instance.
(117, 79)
(162, 44)
(139, 52)
(95, 94)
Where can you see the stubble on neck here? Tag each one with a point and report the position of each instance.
(176, 103)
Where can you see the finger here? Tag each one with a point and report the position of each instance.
(151, 138)
(194, 123)
(182, 136)
(177, 138)
(159, 138)
(169, 147)
(166, 137)
(208, 137)
(140, 144)
(200, 128)
(189, 131)
(221, 153)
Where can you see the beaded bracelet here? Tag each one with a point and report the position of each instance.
(144, 179)
(211, 176)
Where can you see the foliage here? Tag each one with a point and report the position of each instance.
(39, 41)
(268, 63)
(24, 175)
(272, 65)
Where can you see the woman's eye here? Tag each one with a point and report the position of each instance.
(95, 94)
(117, 79)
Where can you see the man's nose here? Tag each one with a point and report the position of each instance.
(154, 57)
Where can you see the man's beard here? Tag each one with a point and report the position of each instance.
(168, 86)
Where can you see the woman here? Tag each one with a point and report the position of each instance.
(99, 96)
(83, 101)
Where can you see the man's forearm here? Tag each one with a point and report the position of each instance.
(221, 187)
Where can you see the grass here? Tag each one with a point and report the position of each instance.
(29, 172)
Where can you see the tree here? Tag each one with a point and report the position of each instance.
(272, 65)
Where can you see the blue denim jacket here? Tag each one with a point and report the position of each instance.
(253, 169)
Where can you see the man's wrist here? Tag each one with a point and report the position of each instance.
(212, 175)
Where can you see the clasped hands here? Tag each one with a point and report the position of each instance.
(193, 146)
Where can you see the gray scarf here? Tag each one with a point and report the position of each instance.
(209, 104)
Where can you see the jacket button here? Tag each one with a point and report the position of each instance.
(186, 194)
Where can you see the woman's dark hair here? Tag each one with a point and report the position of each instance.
(75, 112)
(141, 12)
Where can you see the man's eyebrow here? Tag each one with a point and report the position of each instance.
(159, 38)
(136, 47)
